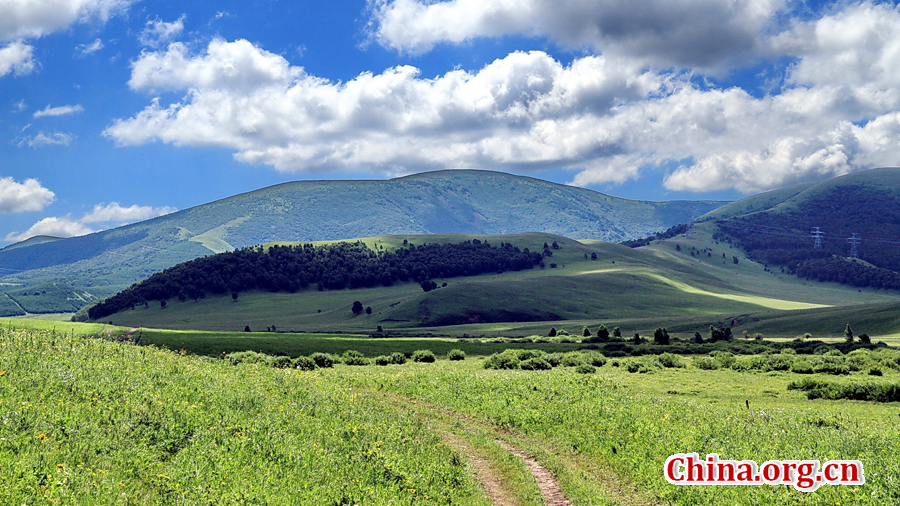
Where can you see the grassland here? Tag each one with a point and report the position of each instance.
(636, 289)
(91, 421)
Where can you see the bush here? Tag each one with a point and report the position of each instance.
(323, 360)
(596, 359)
(353, 357)
(456, 355)
(281, 362)
(247, 357)
(830, 368)
(875, 372)
(553, 358)
(571, 360)
(382, 360)
(535, 364)
(706, 363)
(527, 354)
(502, 360)
(670, 360)
(802, 367)
(304, 363)
(585, 369)
(398, 358)
(423, 356)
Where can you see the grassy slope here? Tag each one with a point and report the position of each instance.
(637, 289)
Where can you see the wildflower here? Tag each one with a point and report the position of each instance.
(2, 373)
(42, 436)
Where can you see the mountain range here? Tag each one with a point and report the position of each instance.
(45, 275)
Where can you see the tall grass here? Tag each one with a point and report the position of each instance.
(87, 421)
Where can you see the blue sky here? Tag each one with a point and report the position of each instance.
(112, 111)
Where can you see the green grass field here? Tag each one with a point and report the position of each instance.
(93, 421)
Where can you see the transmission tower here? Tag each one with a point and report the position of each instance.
(854, 246)
(817, 235)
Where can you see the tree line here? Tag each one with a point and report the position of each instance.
(330, 267)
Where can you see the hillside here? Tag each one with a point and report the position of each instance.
(459, 201)
(777, 229)
(637, 289)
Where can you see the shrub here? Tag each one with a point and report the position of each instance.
(706, 363)
(535, 364)
(670, 360)
(456, 355)
(502, 361)
(725, 359)
(398, 358)
(247, 357)
(571, 360)
(875, 372)
(527, 354)
(802, 367)
(830, 368)
(322, 360)
(553, 358)
(596, 359)
(423, 356)
(304, 363)
(281, 362)
(585, 369)
(353, 357)
(382, 360)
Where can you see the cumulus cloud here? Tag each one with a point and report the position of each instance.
(43, 139)
(20, 197)
(606, 116)
(53, 226)
(666, 32)
(17, 58)
(58, 111)
(526, 108)
(158, 32)
(86, 49)
(115, 213)
(23, 18)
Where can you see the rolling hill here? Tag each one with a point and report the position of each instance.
(460, 201)
(637, 289)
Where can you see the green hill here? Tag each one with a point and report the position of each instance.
(776, 228)
(458, 201)
(637, 289)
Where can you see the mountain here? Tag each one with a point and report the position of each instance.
(856, 218)
(31, 241)
(457, 201)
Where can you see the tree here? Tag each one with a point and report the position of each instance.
(368, 309)
(357, 307)
(864, 338)
(661, 336)
(552, 332)
(637, 338)
(617, 332)
(698, 338)
(593, 256)
(234, 295)
(246, 328)
(555, 245)
(848, 334)
(603, 333)
(162, 304)
(586, 332)
(428, 285)
(379, 329)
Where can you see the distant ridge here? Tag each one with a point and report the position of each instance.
(31, 241)
(452, 201)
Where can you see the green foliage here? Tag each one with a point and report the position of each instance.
(661, 336)
(353, 357)
(247, 357)
(398, 358)
(596, 359)
(706, 363)
(535, 364)
(671, 360)
(572, 359)
(281, 362)
(382, 360)
(423, 356)
(456, 354)
(503, 360)
(304, 363)
(859, 391)
(322, 359)
(585, 369)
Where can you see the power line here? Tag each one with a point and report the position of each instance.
(854, 246)
(817, 235)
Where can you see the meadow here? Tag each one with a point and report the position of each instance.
(90, 420)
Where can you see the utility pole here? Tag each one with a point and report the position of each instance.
(854, 246)
(817, 235)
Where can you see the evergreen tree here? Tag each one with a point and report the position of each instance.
(848, 334)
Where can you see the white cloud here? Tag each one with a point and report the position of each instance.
(106, 215)
(157, 32)
(667, 32)
(606, 116)
(115, 213)
(53, 226)
(58, 111)
(43, 139)
(20, 197)
(17, 58)
(28, 18)
(86, 49)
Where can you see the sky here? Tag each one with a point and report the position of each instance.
(115, 111)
